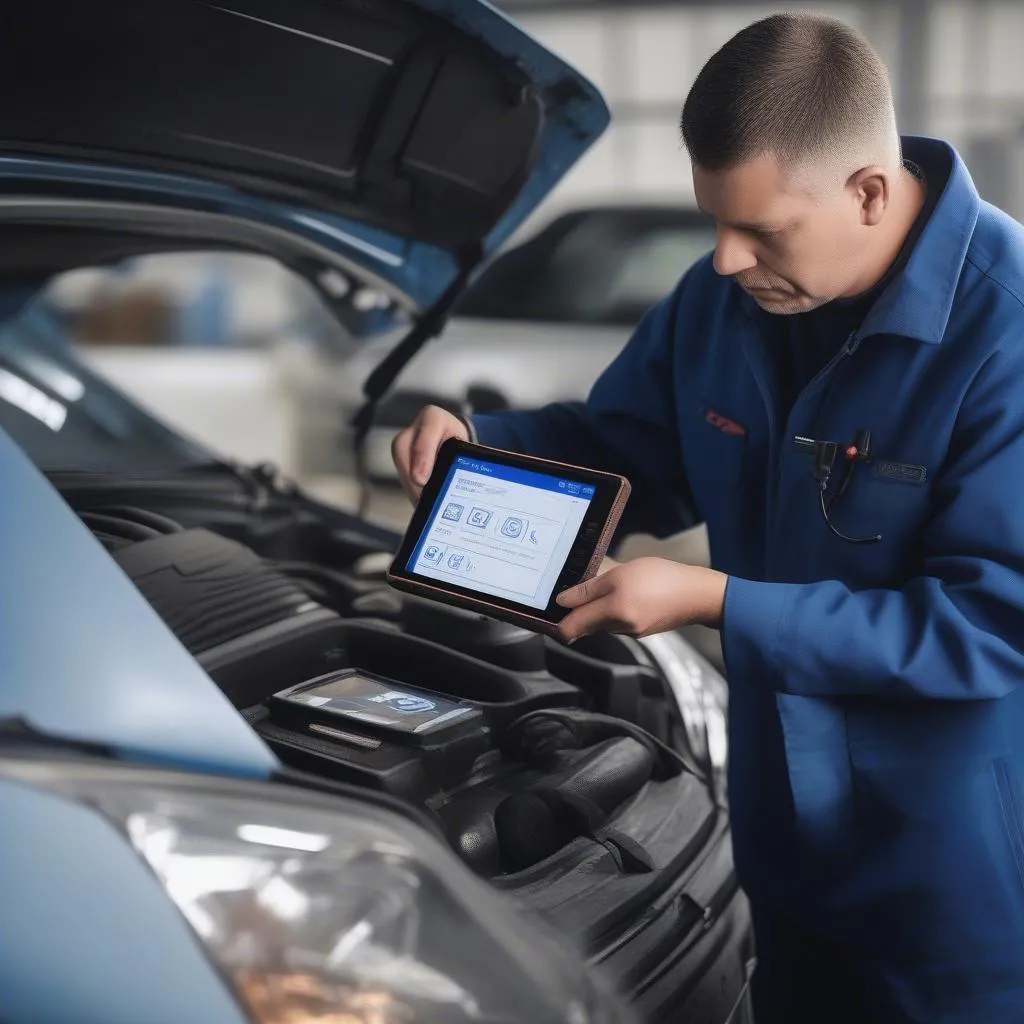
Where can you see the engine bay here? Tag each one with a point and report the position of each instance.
(570, 776)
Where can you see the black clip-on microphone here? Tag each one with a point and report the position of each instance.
(823, 455)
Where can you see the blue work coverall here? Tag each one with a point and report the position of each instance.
(876, 716)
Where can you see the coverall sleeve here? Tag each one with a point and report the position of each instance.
(956, 631)
(628, 426)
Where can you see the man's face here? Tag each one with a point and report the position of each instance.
(791, 243)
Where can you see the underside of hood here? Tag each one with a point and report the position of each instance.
(411, 135)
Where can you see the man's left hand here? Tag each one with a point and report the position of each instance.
(645, 596)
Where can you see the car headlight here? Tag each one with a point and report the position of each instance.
(331, 911)
(701, 695)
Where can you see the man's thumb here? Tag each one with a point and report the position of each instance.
(575, 596)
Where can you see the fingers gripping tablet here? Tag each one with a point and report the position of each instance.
(504, 534)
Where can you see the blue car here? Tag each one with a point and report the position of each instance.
(240, 778)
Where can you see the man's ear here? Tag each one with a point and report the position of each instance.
(872, 189)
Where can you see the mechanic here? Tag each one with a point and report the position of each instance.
(838, 393)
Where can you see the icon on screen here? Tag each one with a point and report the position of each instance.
(533, 537)
(513, 527)
(574, 488)
(413, 705)
(433, 553)
(453, 512)
(561, 484)
(455, 561)
(407, 703)
(479, 517)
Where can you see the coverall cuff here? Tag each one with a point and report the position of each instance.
(751, 625)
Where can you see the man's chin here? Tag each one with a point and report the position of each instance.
(774, 301)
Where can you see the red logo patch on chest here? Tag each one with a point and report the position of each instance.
(724, 424)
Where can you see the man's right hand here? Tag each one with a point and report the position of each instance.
(415, 448)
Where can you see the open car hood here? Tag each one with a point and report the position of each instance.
(397, 139)
(85, 659)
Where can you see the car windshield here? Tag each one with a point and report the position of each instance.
(168, 361)
(64, 416)
(593, 266)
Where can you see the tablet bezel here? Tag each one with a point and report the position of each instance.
(584, 558)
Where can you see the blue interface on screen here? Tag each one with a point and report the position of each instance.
(501, 531)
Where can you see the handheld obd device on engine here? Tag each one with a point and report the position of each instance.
(381, 718)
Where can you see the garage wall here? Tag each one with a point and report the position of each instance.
(955, 66)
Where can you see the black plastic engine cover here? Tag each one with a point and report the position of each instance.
(210, 590)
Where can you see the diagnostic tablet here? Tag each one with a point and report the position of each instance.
(504, 534)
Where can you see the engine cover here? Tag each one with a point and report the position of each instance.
(208, 589)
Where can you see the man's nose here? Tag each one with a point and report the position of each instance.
(733, 254)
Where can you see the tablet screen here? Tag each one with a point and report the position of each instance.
(501, 530)
(357, 695)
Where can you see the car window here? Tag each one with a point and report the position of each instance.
(217, 300)
(64, 416)
(650, 269)
(141, 322)
(599, 267)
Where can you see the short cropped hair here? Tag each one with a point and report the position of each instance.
(804, 87)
